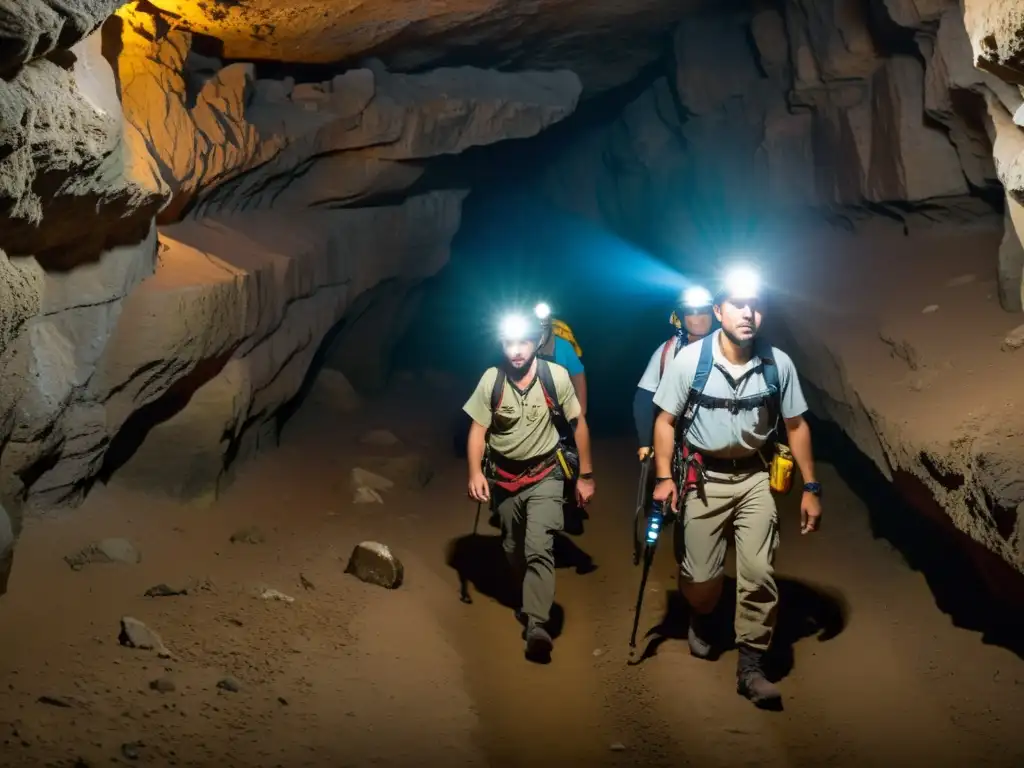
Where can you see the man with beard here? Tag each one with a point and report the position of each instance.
(523, 411)
(720, 402)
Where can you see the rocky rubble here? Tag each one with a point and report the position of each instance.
(277, 204)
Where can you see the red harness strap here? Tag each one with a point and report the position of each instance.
(693, 469)
(664, 353)
(512, 483)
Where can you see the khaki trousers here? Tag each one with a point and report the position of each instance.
(529, 520)
(744, 505)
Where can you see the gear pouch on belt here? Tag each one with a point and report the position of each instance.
(691, 469)
(781, 469)
(568, 462)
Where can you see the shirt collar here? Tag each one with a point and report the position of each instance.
(718, 357)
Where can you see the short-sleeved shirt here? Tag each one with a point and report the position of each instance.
(652, 374)
(566, 356)
(522, 428)
(716, 430)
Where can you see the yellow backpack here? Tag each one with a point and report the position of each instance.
(563, 331)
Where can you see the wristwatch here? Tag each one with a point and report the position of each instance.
(814, 488)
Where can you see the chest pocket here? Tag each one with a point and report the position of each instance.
(533, 412)
(516, 407)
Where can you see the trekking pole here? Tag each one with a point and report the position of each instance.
(638, 512)
(655, 522)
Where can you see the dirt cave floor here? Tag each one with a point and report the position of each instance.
(351, 674)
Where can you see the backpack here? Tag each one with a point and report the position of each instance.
(563, 331)
(566, 436)
(677, 342)
(696, 397)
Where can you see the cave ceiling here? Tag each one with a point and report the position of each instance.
(606, 42)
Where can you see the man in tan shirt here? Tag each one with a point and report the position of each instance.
(517, 411)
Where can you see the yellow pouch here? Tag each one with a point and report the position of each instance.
(565, 465)
(781, 469)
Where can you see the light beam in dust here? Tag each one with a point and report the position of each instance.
(567, 254)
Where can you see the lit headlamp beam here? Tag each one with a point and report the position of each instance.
(514, 328)
(742, 283)
(697, 296)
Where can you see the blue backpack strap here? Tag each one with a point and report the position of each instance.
(700, 380)
(770, 371)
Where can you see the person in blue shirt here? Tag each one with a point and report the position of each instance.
(563, 351)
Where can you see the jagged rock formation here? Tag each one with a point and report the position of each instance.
(175, 343)
(814, 115)
(832, 111)
(32, 29)
(605, 43)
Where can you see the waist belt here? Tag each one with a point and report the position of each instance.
(512, 476)
(529, 466)
(742, 465)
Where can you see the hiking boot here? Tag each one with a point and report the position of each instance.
(699, 636)
(538, 645)
(752, 682)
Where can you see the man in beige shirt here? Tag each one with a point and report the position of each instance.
(524, 411)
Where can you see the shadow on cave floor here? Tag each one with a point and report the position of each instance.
(804, 611)
(479, 560)
(940, 553)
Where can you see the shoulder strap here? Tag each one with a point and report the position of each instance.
(498, 390)
(664, 355)
(547, 384)
(770, 371)
(700, 380)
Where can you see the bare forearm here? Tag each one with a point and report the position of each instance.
(475, 448)
(579, 383)
(800, 445)
(582, 434)
(664, 437)
(583, 445)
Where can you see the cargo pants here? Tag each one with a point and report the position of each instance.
(743, 504)
(530, 518)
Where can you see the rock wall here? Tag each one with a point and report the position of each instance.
(606, 42)
(804, 108)
(776, 119)
(179, 235)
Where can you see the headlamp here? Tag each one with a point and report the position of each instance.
(542, 311)
(697, 297)
(741, 283)
(515, 328)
